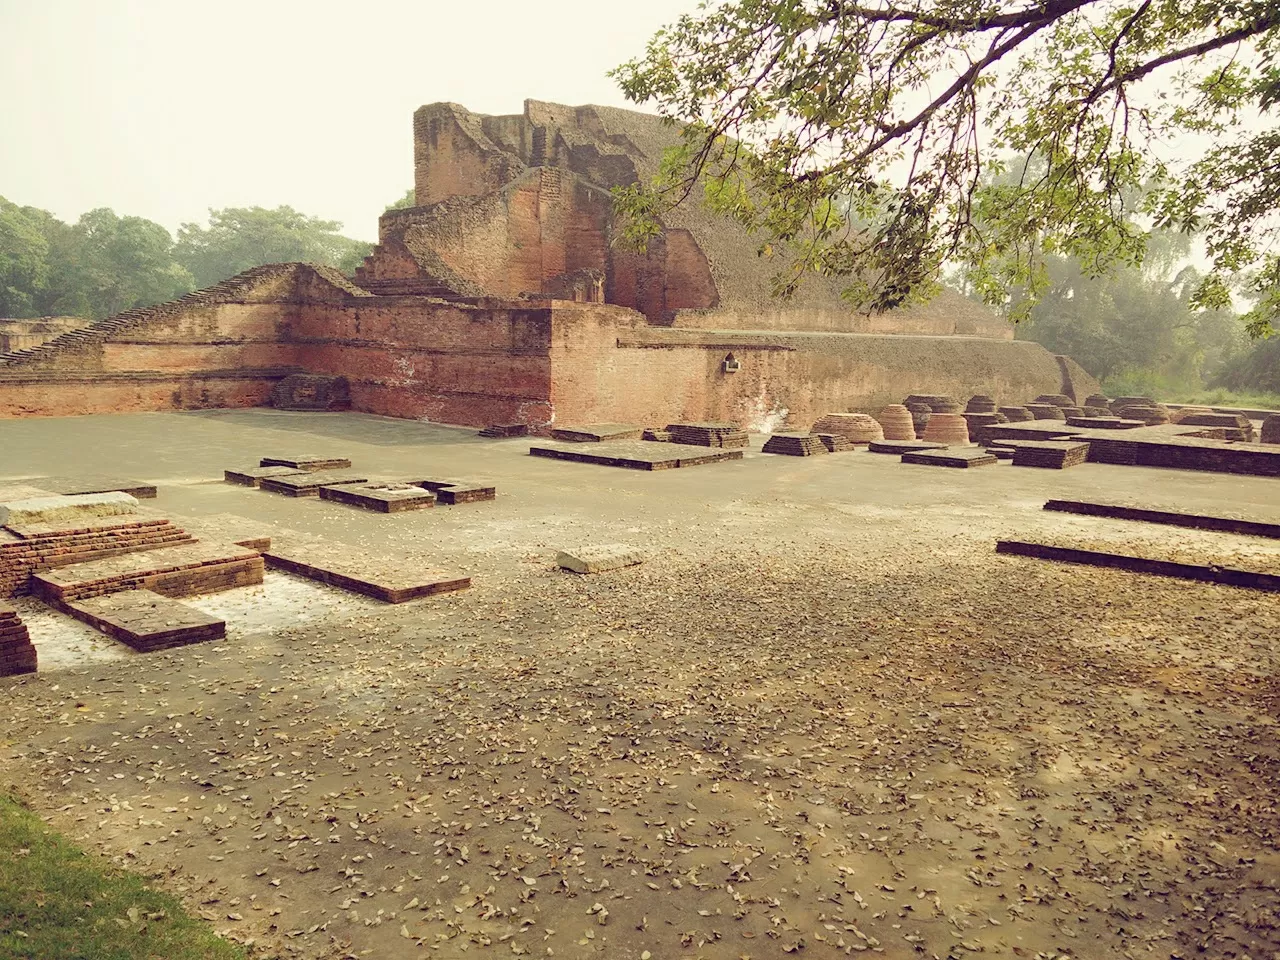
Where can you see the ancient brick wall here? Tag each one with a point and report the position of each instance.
(452, 155)
(451, 363)
(948, 314)
(609, 366)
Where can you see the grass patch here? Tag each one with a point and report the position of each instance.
(57, 903)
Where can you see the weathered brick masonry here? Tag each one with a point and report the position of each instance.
(501, 299)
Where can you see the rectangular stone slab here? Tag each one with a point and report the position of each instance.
(147, 621)
(97, 484)
(387, 578)
(637, 455)
(1231, 576)
(253, 476)
(307, 462)
(1171, 518)
(58, 509)
(599, 559)
(597, 432)
(962, 457)
(380, 497)
(307, 483)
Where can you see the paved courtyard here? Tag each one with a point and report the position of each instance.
(823, 717)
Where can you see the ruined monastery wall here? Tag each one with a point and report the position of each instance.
(453, 363)
(609, 367)
(229, 355)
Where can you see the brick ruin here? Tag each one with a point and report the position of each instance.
(501, 299)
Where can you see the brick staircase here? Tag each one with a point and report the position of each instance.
(423, 286)
(228, 291)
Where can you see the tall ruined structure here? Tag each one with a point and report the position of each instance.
(501, 298)
(520, 206)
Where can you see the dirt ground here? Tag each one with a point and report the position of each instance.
(823, 717)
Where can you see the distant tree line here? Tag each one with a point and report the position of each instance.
(1137, 324)
(105, 263)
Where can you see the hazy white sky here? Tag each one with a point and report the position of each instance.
(164, 108)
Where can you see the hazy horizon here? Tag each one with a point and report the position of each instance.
(164, 110)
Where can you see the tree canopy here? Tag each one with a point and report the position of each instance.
(105, 263)
(99, 266)
(860, 137)
(238, 238)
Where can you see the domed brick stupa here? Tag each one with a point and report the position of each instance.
(855, 427)
(980, 403)
(897, 423)
(948, 428)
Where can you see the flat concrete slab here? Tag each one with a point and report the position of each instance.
(381, 496)
(600, 558)
(1251, 579)
(253, 476)
(308, 483)
(597, 432)
(307, 462)
(962, 457)
(147, 621)
(57, 509)
(637, 455)
(392, 579)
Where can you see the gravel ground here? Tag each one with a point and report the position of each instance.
(814, 722)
